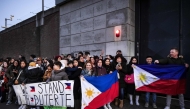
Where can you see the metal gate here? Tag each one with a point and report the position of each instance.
(161, 25)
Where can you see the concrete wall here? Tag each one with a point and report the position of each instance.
(88, 25)
(26, 39)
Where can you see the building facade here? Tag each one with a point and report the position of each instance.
(90, 25)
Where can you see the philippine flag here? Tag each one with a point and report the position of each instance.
(68, 85)
(32, 89)
(97, 91)
(164, 79)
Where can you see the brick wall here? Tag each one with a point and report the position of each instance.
(26, 39)
(50, 36)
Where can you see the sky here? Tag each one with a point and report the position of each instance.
(21, 10)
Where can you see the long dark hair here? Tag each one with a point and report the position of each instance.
(119, 56)
(104, 61)
(16, 67)
(130, 63)
(6, 62)
(78, 63)
(97, 67)
(25, 64)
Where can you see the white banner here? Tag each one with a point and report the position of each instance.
(20, 93)
(54, 93)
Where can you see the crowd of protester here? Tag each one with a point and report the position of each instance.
(67, 67)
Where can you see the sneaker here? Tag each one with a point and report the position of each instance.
(137, 103)
(105, 107)
(20, 107)
(167, 107)
(109, 107)
(8, 103)
(154, 106)
(146, 105)
(16, 102)
(24, 107)
(131, 102)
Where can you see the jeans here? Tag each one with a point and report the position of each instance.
(121, 93)
(148, 96)
(181, 100)
(10, 94)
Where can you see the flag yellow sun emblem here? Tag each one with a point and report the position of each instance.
(89, 92)
(142, 77)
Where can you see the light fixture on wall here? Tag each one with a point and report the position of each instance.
(117, 33)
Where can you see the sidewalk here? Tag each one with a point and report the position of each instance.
(160, 104)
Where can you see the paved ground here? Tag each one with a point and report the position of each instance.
(160, 104)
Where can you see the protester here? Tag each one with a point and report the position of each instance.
(75, 76)
(88, 70)
(120, 52)
(69, 57)
(32, 57)
(12, 61)
(100, 71)
(4, 87)
(80, 54)
(33, 75)
(45, 63)
(110, 57)
(58, 73)
(58, 58)
(81, 61)
(173, 59)
(21, 77)
(21, 57)
(87, 58)
(86, 54)
(107, 65)
(149, 61)
(131, 86)
(120, 65)
(11, 75)
(1, 77)
(48, 72)
(96, 58)
(40, 64)
(92, 60)
(69, 69)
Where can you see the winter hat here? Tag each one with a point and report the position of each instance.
(32, 64)
(56, 58)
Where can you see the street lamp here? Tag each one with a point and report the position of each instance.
(11, 18)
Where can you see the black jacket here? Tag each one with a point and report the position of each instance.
(9, 73)
(122, 74)
(75, 76)
(173, 61)
(22, 76)
(108, 68)
(33, 75)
